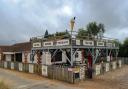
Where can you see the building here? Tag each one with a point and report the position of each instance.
(19, 52)
(73, 51)
(62, 50)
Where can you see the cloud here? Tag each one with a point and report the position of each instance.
(22, 19)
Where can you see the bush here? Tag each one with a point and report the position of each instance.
(3, 86)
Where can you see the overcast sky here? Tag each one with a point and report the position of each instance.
(22, 19)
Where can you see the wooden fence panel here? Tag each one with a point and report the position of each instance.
(16, 66)
(25, 67)
(12, 65)
(5, 64)
(50, 72)
(60, 73)
(20, 66)
(31, 68)
(45, 70)
(8, 64)
(38, 69)
(2, 64)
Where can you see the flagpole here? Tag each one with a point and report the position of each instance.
(72, 26)
(71, 50)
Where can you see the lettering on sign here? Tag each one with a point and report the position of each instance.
(100, 43)
(37, 44)
(88, 43)
(62, 42)
(48, 43)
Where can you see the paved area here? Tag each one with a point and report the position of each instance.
(117, 79)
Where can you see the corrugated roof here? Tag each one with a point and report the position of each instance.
(18, 47)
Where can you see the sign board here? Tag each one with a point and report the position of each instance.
(77, 42)
(62, 42)
(37, 44)
(98, 69)
(100, 43)
(75, 70)
(88, 43)
(48, 43)
(109, 44)
(69, 69)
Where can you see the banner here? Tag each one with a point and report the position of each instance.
(88, 43)
(62, 42)
(100, 43)
(37, 44)
(48, 43)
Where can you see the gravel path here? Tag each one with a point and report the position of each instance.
(117, 79)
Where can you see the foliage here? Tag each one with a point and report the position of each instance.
(82, 33)
(59, 35)
(123, 51)
(92, 29)
(46, 34)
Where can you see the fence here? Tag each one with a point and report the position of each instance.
(64, 73)
(109, 66)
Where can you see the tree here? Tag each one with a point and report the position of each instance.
(123, 49)
(82, 33)
(126, 42)
(93, 29)
(101, 29)
(46, 34)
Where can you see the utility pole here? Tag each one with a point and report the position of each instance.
(72, 22)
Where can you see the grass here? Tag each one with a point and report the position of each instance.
(3, 85)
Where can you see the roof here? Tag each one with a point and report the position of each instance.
(26, 46)
(18, 47)
(5, 48)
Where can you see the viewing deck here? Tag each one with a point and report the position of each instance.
(76, 43)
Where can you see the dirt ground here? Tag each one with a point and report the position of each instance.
(117, 79)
